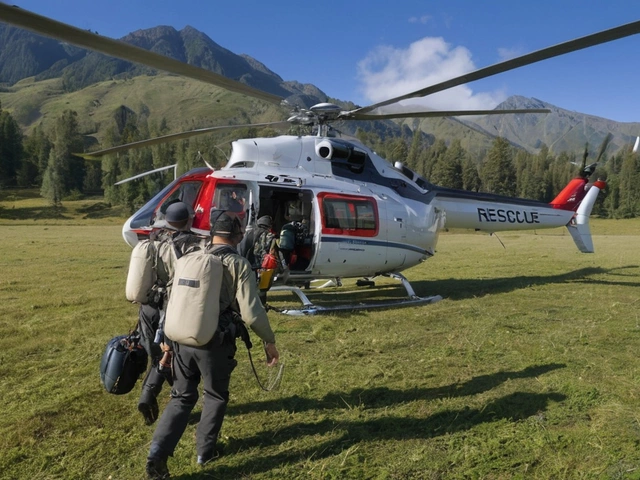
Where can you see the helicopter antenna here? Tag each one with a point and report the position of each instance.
(201, 157)
(223, 152)
(495, 235)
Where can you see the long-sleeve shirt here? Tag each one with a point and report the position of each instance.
(239, 288)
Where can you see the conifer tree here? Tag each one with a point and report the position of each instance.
(36, 157)
(470, 176)
(630, 185)
(416, 148)
(110, 167)
(64, 171)
(431, 157)
(397, 150)
(11, 150)
(447, 170)
(498, 172)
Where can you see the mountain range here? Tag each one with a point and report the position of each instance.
(40, 77)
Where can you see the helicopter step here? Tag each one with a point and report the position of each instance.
(309, 308)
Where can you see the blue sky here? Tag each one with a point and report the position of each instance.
(368, 51)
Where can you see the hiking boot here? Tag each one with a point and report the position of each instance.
(149, 411)
(205, 459)
(157, 469)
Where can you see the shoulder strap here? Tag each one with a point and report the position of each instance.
(183, 243)
(222, 251)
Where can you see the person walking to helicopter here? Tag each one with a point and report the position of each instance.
(175, 236)
(214, 361)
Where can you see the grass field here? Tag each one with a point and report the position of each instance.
(527, 369)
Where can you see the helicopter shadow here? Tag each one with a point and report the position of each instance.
(452, 288)
(459, 289)
(345, 435)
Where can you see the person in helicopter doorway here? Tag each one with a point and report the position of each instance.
(176, 234)
(214, 361)
(257, 244)
(292, 236)
(257, 241)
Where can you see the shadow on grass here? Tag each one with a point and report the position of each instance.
(14, 195)
(459, 289)
(96, 210)
(102, 210)
(512, 407)
(380, 397)
(34, 213)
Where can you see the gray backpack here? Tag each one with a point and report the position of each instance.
(194, 304)
(142, 274)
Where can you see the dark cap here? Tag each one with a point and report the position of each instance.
(223, 225)
(177, 213)
(265, 221)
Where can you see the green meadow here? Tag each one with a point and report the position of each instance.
(528, 368)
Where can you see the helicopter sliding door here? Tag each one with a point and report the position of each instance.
(349, 229)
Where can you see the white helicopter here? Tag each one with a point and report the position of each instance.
(356, 214)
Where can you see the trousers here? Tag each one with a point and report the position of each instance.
(213, 364)
(149, 318)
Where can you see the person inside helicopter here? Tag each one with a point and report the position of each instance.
(295, 239)
(186, 193)
(236, 202)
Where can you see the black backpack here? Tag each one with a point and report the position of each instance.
(123, 362)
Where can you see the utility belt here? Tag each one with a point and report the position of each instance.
(157, 296)
(230, 327)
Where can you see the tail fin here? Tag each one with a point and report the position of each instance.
(572, 195)
(579, 225)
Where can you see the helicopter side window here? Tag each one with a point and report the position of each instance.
(231, 197)
(349, 216)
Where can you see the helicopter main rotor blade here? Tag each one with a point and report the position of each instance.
(83, 38)
(549, 52)
(172, 136)
(437, 113)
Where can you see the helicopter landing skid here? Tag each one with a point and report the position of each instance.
(309, 308)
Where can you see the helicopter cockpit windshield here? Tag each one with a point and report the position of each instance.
(186, 192)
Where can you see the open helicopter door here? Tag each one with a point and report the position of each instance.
(294, 222)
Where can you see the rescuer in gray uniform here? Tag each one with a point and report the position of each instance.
(178, 218)
(214, 361)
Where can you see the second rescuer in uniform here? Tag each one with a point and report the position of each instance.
(215, 361)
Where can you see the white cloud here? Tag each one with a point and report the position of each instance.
(509, 53)
(422, 19)
(388, 72)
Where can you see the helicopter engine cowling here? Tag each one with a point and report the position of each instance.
(331, 149)
(324, 149)
(343, 152)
